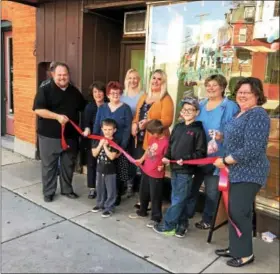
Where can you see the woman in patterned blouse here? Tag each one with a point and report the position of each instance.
(245, 142)
(155, 104)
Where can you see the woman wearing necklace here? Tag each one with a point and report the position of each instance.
(155, 104)
(131, 96)
(121, 113)
(245, 141)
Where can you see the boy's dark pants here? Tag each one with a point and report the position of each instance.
(241, 199)
(151, 189)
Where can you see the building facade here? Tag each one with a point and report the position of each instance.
(19, 75)
(190, 40)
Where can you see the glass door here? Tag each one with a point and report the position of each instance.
(132, 56)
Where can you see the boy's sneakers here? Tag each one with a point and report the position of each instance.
(92, 193)
(137, 206)
(202, 225)
(138, 214)
(96, 209)
(159, 228)
(180, 232)
(152, 223)
(106, 214)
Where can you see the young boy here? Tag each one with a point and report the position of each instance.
(105, 169)
(187, 141)
(153, 173)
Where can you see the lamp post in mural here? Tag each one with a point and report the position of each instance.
(201, 19)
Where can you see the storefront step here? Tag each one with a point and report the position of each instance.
(267, 222)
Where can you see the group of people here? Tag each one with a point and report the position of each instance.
(139, 122)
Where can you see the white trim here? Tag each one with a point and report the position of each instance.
(147, 43)
(8, 37)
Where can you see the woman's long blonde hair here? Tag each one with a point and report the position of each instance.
(163, 90)
(132, 70)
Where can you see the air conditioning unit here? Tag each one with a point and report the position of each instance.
(134, 22)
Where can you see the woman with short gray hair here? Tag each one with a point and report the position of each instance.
(215, 112)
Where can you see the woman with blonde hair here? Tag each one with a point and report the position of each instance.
(132, 89)
(131, 95)
(155, 104)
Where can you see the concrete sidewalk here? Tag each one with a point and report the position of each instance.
(191, 254)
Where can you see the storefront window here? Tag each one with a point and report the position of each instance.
(192, 40)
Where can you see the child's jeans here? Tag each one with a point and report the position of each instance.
(106, 191)
(177, 214)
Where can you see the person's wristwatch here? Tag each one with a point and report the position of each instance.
(224, 161)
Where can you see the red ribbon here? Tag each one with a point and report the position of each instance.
(223, 180)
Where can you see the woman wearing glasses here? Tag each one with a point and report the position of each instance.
(215, 112)
(245, 141)
(122, 114)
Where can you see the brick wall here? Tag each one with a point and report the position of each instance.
(23, 19)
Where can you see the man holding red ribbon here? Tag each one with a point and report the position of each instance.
(55, 103)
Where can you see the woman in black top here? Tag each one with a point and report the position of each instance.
(97, 96)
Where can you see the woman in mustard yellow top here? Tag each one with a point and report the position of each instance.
(155, 104)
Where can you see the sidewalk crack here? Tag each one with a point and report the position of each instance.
(30, 232)
(209, 265)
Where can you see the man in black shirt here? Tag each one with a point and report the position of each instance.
(55, 103)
